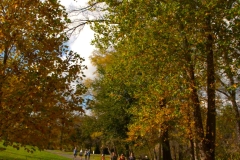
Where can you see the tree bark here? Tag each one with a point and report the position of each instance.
(197, 117)
(199, 132)
(166, 151)
(160, 151)
(192, 150)
(180, 153)
(209, 141)
(166, 146)
(237, 116)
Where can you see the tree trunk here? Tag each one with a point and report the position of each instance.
(180, 153)
(166, 146)
(127, 150)
(192, 149)
(160, 151)
(165, 138)
(209, 141)
(196, 150)
(199, 132)
(237, 116)
(155, 153)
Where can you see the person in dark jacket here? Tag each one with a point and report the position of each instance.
(75, 152)
(88, 154)
(131, 157)
(113, 156)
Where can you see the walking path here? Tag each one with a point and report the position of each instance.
(63, 154)
(67, 155)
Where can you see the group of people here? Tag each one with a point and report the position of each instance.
(122, 157)
(86, 153)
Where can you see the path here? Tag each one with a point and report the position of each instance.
(70, 156)
(63, 154)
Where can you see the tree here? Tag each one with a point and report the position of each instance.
(37, 71)
(110, 111)
(148, 41)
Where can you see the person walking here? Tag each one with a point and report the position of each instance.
(113, 156)
(103, 157)
(75, 152)
(122, 157)
(81, 154)
(88, 154)
(85, 154)
(131, 157)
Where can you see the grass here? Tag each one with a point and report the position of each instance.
(13, 154)
(97, 157)
(92, 156)
(10, 153)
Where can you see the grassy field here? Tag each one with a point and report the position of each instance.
(13, 154)
(98, 157)
(92, 157)
(10, 153)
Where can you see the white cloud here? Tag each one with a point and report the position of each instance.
(82, 42)
(82, 46)
(68, 3)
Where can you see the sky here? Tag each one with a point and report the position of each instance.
(81, 42)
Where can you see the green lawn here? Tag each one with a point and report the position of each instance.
(98, 157)
(13, 154)
(92, 156)
(10, 153)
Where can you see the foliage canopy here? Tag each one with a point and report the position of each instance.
(38, 73)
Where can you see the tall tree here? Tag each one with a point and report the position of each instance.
(150, 40)
(111, 111)
(37, 71)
